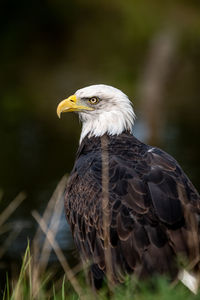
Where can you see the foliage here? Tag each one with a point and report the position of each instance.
(155, 289)
(38, 279)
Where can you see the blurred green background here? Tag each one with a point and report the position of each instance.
(49, 49)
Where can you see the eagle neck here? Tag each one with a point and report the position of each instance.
(121, 141)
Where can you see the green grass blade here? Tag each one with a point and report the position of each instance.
(63, 288)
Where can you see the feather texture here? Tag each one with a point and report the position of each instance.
(149, 197)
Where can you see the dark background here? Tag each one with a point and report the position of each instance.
(49, 49)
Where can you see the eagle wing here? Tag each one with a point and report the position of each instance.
(154, 213)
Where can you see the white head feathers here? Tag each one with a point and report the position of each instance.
(112, 115)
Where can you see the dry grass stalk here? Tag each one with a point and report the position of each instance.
(54, 223)
(190, 274)
(83, 266)
(41, 256)
(47, 214)
(10, 238)
(106, 210)
(192, 232)
(6, 227)
(59, 253)
(12, 207)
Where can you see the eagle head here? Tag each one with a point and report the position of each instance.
(102, 109)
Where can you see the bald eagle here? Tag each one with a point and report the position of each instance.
(152, 212)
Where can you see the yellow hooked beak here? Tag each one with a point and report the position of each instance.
(71, 104)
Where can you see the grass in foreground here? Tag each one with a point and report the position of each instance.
(43, 287)
(36, 280)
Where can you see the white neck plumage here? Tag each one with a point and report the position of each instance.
(111, 122)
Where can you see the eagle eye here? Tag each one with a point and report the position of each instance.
(93, 100)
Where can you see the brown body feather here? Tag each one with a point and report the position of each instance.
(154, 209)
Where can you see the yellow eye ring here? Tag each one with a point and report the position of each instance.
(93, 100)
